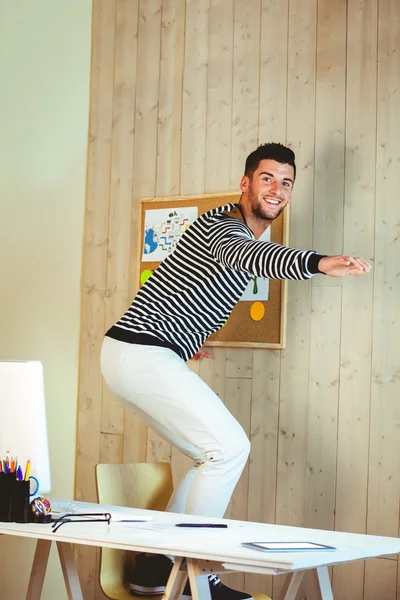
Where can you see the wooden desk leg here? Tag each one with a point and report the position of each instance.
(291, 586)
(199, 588)
(74, 591)
(323, 583)
(193, 572)
(38, 569)
(176, 581)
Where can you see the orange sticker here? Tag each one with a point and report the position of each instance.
(257, 311)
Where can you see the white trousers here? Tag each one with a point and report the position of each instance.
(162, 391)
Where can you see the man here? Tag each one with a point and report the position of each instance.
(187, 298)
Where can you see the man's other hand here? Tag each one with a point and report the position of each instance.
(201, 354)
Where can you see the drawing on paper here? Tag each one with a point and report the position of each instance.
(163, 229)
(258, 287)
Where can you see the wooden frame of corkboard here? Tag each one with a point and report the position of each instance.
(240, 330)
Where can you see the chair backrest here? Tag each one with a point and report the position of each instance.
(139, 485)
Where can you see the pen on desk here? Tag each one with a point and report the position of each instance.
(216, 525)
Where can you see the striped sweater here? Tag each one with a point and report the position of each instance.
(192, 293)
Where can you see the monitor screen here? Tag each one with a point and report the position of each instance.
(23, 430)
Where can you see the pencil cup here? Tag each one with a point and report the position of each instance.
(7, 481)
(20, 502)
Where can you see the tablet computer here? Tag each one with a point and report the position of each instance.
(288, 546)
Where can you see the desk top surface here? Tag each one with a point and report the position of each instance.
(160, 535)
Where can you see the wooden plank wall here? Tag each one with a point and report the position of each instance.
(181, 92)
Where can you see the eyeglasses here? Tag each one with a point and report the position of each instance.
(81, 518)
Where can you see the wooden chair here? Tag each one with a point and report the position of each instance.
(141, 485)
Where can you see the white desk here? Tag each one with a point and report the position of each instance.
(205, 550)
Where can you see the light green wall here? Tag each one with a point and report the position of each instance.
(44, 107)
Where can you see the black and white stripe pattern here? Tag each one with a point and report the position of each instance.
(193, 291)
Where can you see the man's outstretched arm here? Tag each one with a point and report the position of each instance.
(232, 246)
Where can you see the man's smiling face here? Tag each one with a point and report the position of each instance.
(269, 189)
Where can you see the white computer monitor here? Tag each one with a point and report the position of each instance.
(23, 428)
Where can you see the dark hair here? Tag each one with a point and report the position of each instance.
(270, 151)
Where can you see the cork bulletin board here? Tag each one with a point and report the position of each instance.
(258, 320)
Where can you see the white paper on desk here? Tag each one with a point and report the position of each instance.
(121, 518)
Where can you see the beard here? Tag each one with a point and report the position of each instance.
(261, 210)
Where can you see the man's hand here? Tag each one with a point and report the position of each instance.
(340, 266)
(201, 354)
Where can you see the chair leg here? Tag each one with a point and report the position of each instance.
(176, 581)
(71, 579)
(38, 570)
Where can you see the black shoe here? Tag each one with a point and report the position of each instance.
(218, 591)
(150, 575)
